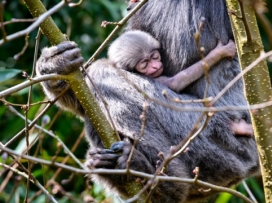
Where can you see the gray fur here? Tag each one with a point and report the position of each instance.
(223, 158)
(52, 61)
(119, 49)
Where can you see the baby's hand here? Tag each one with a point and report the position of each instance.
(228, 50)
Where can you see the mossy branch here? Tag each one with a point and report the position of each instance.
(76, 80)
(80, 88)
(257, 82)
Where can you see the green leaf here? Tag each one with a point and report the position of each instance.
(22, 144)
(97, 189)
(6, 74)
(223, 198)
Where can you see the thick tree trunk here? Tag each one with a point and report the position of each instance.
(257, 82)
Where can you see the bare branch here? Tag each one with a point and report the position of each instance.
(54, 136)
(34, 25)
(113, 33)
(32, 81)
(240, 75)
(34, 181)
(132, 172)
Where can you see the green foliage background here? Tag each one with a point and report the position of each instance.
(82, 25)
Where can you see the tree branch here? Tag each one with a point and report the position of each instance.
(257, 83)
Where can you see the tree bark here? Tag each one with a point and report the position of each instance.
(257, 82)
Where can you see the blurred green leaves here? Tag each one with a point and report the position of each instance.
(6, 74)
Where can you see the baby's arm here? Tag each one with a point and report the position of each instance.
(184, 78)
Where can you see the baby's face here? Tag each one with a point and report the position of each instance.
(150, 66)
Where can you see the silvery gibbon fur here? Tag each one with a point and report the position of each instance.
(223, 158)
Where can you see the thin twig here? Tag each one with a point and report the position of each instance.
(26, 152)
(28, 102)
(248, 191)
(175, 151)
(17, 163)
(81, 136)
(113, 33)
(54, 136)
(17, 56)
(14, 189)
(14, 20)
(183, 109)
(33, 123)
(34, 181)
(23, 106)
(194, 108)
(32, 81)
(240, 75)
(34, 25)
(143, 118)
(197, 36)
(133, 172)
(177, 100)
(4, 34)
(185, 143)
